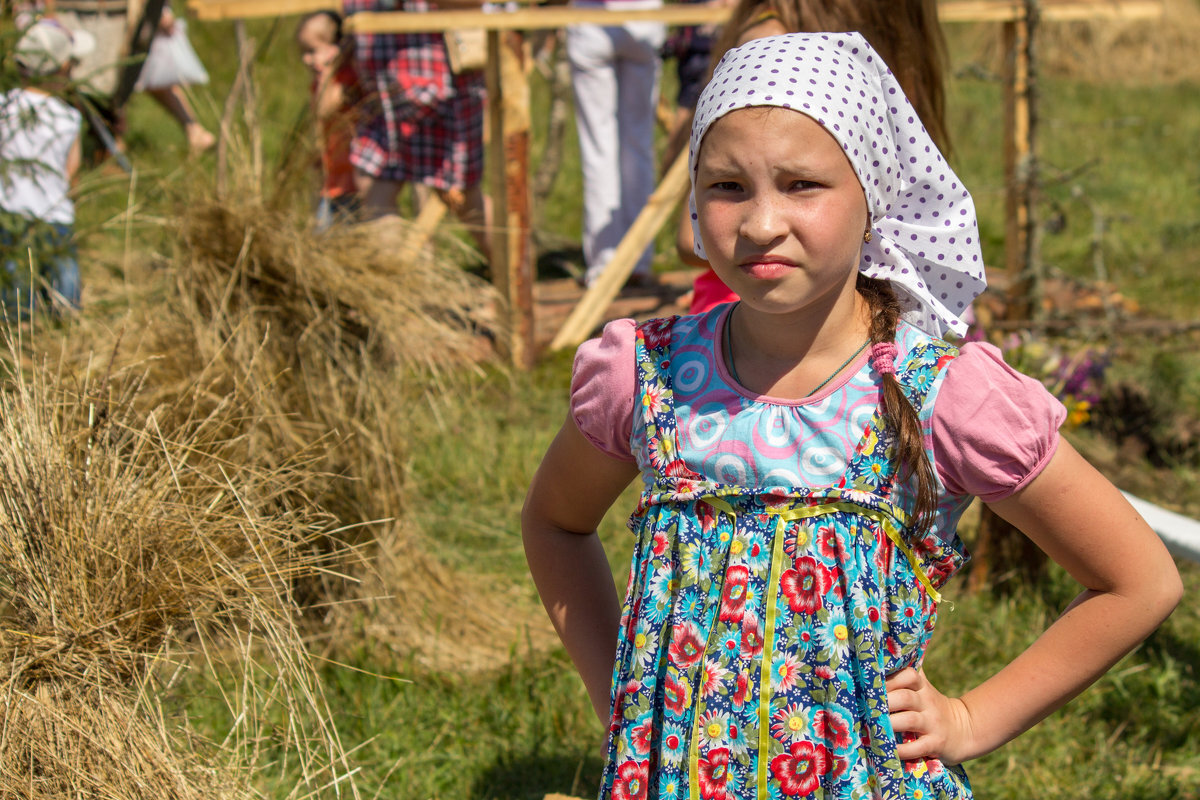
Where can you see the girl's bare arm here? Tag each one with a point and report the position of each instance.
(572, 489)
(1130, 586)
(74, 159)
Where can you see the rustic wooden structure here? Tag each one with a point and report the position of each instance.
(513, 259)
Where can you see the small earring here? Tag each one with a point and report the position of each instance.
(867, 236)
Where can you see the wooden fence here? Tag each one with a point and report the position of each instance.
(509, 118)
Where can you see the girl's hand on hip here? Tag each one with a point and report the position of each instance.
(938, 726)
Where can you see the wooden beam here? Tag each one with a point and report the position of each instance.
(684, 14)
(1018, 155)
(512, 262)
(528, 18)
(1073, 10)
(433, 211)
(212, 10)
(658, 209)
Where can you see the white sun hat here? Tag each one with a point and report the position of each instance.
(47, 45)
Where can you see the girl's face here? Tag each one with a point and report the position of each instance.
(317, 49)
(781, 212)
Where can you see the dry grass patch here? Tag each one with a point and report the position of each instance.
(130, 552)
(1121, 52)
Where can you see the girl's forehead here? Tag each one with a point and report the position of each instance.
(806, 136)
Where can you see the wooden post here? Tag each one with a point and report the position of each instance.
(1001, 550)
(512, 261)
(590, 309)
(1018, 161)
(433, 210)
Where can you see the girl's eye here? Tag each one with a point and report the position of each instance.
(727, 186)
(802, 185)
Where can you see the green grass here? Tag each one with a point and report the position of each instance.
(524, 728)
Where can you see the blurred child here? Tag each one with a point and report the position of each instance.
(334, 95)
(805, 455)
(39, 155)
(170, 65)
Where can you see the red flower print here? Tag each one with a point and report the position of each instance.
(713, 773)
(661, 543)
(631, 781)
(824, 672)
(687, 646)
(827, 543)
(800, 769)
(805, 585)
(893, 647)
(752, 636)
(712, 676)
(833, 728)
(883, 554)
(677, 469)
(677, 694)
(657, 333)
(641, 735)
(733, 594)
(754, 550)
(652, 403)
(743, 688)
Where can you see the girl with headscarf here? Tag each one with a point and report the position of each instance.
(905, 33)
(805, 455)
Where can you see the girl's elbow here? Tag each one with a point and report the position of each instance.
(1170, 592)
(1160, 595)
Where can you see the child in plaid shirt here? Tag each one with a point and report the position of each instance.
(422, 123)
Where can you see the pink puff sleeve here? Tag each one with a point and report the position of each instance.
(603, 383)
(994, 429)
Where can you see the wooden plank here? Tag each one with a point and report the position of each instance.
(659, 208)
(512, 262)
(1018, 151)
(528, 18)
(433, 211)
(690, 14)
(1010, 10)
(211, 10)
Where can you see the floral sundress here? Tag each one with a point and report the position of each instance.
(760, 623)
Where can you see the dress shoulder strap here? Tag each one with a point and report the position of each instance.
(918, 372)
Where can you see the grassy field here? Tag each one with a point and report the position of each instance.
(511, 722)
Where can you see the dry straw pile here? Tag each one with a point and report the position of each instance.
(1121, 52)
(191, 515)
(1136, 52)
(130, 554)
(334, 341)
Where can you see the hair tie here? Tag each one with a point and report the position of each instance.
(883, 356)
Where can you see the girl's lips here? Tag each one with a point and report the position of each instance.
(767, 269)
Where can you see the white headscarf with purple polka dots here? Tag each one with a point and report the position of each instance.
(925, 238)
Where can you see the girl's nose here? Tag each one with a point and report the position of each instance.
(764, 221)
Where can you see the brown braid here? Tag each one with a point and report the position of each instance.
(909, 457)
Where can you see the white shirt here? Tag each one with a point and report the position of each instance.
(36, 135)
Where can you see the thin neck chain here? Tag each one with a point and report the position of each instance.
(733, 368)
